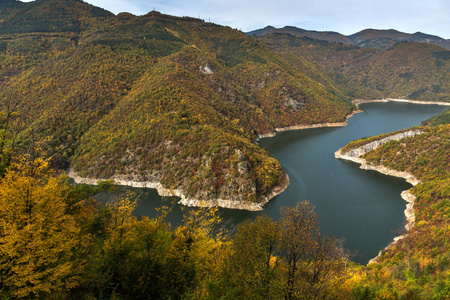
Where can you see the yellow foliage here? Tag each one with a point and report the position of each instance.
(38, 238)
(122, 209)
(273, 261)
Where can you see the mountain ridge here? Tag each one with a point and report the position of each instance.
(372, 38)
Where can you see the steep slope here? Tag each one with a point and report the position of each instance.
(442, 118)
(47, 16)
(408, 70)
(210, 107)
(157, 98)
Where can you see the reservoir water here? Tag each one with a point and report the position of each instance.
(362, 207)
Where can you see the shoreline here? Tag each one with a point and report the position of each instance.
(357, 102)
(191, 202)
(355, 156)
(243, 205)
(188, 201)
(301, 127)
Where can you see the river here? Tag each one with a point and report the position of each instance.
(362, 207)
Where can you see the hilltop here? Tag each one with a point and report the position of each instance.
(329, 36)
(369, 38)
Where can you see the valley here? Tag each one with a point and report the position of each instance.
(212, 115)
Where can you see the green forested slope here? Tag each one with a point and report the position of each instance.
(153, 98)
(407, 70)
(47, 16)
(442, 118)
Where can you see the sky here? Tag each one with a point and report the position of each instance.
(344, 16)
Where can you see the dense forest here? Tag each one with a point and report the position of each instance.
(180, 101)
(406, 70)
(153, 98)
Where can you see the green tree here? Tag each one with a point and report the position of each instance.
(253, 267)
(315, 262)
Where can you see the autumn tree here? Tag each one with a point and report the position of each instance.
(298, 228)
(253, 268)
(315, 263)
(8, 132)
(140, 259)
(288, 258)
(208, 231)
(40, 242)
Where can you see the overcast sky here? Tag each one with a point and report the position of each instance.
(344, 16)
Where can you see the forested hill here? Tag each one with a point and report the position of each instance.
(369, 38)
(407, 70)
(46, 16)
(151, 98)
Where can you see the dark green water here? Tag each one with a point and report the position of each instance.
(363, 207)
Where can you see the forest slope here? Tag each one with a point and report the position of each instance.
(407, 70)
(153, 98)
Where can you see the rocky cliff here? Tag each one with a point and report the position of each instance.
(355, 156)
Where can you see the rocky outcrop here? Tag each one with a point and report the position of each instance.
(206, 69)
(246, 205)
(355, 156)
(188, 201)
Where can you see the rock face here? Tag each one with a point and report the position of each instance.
(358, 152)
(355, 156)
(206, 69)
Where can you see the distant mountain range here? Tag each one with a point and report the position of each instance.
(370, 38)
